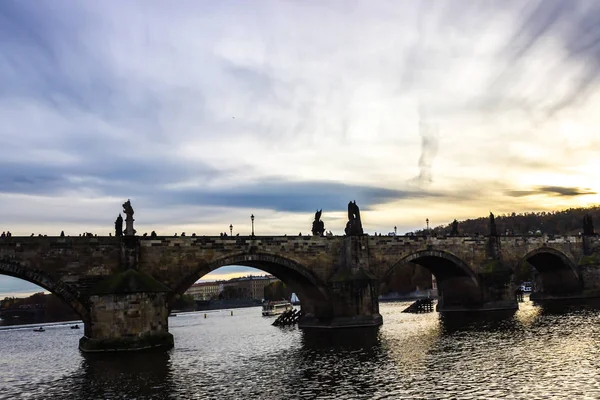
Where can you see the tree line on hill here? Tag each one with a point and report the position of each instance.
(565, 222)
(38, 307)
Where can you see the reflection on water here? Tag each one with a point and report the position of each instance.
(140, 375)
(533, 354)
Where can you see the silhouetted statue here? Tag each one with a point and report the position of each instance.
(354, 225)
(152, 234)
(588, 225)
(128, 210)
(119, 226)
(318, 227)
(62, 233)
(493, 230)
(454, 230)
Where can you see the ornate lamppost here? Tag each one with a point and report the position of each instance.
(231, 230)
(395, 231)
(252, 218)
(427, 221)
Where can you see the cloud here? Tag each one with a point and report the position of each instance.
(10, 286)
(230, 272)
(199, 113)
(573, 27)
(429, 147)
(552, 190)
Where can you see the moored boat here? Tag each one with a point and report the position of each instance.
(276, 307)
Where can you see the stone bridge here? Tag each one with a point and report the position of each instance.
(122, 286)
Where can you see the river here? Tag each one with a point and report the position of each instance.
(537, 354)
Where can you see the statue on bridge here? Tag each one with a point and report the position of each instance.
(354, 225)
(493, 229)
(588, 225)
(128, 210)
(119, 226)
(318, 227)
(454, 231)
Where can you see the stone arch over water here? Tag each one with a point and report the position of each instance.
(557, 273)
(313, 294)
(58, 288)
(457, 282)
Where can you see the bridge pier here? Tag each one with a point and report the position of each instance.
(491, 289)
(353, 292)
(128, 312)
(353, 304)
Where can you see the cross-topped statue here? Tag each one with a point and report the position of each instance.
(128, 210)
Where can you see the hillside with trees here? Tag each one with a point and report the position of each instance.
(545, 222)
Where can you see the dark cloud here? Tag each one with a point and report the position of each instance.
(292, 196)
(157, 183)
(553, 190)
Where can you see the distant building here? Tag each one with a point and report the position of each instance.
(248, 287)
(252, 287)
(203, 290)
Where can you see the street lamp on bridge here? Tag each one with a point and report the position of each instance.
(231, 230)
(427, 221)
(395, 231)
(252, 218)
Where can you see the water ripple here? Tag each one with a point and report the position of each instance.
(538, 354)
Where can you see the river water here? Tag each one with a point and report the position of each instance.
(537, 354)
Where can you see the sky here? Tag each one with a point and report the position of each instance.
(203, 113)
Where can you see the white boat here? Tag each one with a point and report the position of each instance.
(526, 287)
(295, 300)
(276, 307)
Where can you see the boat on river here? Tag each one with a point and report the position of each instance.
(75, 326)
(275, 307)
(40, 329)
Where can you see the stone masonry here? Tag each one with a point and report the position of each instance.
(337, 278)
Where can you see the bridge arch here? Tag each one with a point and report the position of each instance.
(311, 291)
(457, 282)
(557, 273)
(40, 278)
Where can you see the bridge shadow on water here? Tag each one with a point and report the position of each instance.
(492, 321)
(144, 375)
(568, 306)
(529, 314)
(341, 339)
